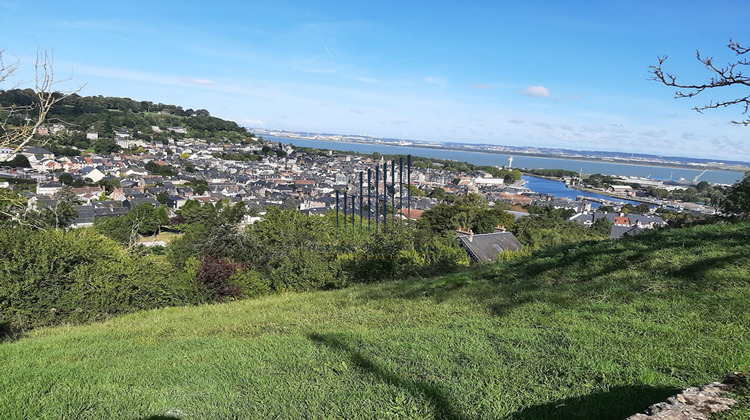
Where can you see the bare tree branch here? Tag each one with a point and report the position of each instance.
(17, 136)
(729, 75)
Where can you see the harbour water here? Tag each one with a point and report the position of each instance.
(529, 162)
(559, 189)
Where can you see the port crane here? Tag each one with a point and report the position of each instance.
(695, 180)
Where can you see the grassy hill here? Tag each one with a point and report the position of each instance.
(595, 330)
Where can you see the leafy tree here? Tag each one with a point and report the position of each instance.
(469, 210)
(162, 197)
(142, 219)
(62, 211)
(194, 212)
(415, 192)
(512, 176)
(145, 219)
(558, 173)
(234, 214)
(199, 186)
(13, 208)
(106, 146)
(471, 200)
(642, 208)
(119, 229)
(109, 184)
(738, 197)
(659, 193)
(18, 161)
(602, 226)
(289, 204)
(163, 170)
(548, 226)
(437, 193)
(65, 178)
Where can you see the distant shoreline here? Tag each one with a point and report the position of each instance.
(740, 170)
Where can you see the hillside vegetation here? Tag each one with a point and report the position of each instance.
(594, 330)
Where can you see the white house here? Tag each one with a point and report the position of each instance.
(489, 181)
(49, 188)
(92, 173)
(5, 154)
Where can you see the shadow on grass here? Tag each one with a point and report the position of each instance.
(8, 333)
(436, 396)
(567, 274)
(159, 417)
(617, 403)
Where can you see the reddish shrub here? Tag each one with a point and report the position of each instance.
(214, 274)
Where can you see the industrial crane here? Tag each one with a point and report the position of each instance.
(695, 180)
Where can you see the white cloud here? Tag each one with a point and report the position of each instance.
(653, 133)
(538, 91)
(439, 81)
(203, 82)
(364, 79)
(315, 70)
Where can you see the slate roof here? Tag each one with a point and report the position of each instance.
(620, 231)
(130, 203)
(485, 247)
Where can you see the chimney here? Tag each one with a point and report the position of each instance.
(463, 231)
(499, 229)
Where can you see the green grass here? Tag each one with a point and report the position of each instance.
(592, 331)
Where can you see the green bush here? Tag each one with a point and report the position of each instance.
(400, 253)
(251, 284)
(53, 277)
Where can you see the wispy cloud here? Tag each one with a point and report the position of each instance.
(306, 69)
(320, 39)
(538, 91)
(125, 74)
(653, 133)
(251, 122)
(484, 86)
(542, 124)
(439, 81)
(356, 111)
(150, 77)
(203, 82)
(364, 79)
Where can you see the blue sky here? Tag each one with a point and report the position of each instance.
(568, 74)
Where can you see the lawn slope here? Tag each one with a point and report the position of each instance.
(595, 330)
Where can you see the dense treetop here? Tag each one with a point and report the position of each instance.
(105, 115)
